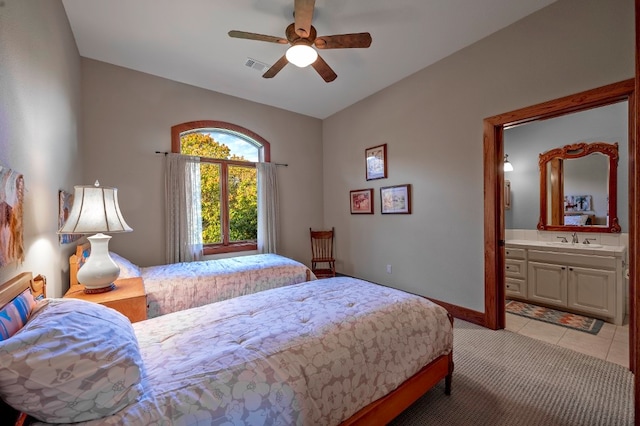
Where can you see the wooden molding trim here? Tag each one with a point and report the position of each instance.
(464, 314)
(634, 223)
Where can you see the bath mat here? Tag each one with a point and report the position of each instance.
(552, 316)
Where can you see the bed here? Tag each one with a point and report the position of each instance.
(337, 351)
(179, 286)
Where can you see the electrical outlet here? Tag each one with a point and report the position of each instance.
(388, 269)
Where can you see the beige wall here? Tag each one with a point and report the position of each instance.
(432, 123)
(128, 116)
(40, 117)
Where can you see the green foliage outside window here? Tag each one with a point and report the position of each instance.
(241, 188)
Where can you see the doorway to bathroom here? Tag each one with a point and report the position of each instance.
(496, 145)
(585, 188)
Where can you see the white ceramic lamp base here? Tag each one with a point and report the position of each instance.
(99, 271)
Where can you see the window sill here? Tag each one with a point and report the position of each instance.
(232, 248)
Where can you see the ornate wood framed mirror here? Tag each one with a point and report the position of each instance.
(578, 188)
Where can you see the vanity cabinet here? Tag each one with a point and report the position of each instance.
(590, 284)
(516, 273)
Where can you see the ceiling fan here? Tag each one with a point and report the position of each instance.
(301, 35)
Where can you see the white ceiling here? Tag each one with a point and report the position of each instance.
(187, 41)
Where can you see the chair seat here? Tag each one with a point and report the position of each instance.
(324, 273)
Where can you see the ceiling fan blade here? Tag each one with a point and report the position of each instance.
(344, 41)
(259, 37)
(303, 14)
(324, 70)
(275, 68)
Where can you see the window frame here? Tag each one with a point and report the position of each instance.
(265, 155)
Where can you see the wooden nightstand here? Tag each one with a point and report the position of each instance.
(128, 298)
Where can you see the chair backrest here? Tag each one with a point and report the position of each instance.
(321, 244)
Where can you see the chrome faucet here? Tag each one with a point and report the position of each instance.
(574, 238)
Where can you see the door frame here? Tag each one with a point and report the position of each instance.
(494, 238)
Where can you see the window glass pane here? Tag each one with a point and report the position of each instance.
(202, 145)
(218, 144)
(211, 203)
(243, 203)
(239, 148)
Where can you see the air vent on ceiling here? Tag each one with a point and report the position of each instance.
(256, 65)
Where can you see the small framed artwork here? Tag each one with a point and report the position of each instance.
(65, 201)
(507, 195)
(376, 161)
(361, 201)
(396, 199)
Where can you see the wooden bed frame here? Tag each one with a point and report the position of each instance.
(379, 412)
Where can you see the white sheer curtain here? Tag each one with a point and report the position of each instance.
(184, 208)
(267, 207)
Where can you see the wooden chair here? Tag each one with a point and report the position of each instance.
(322, 253)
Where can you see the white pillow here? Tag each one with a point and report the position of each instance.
(576, 220)
(73, 361)
(127, 269)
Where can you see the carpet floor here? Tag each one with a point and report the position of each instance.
(503, 378)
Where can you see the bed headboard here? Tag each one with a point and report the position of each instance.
(8, 291)
(20, 283)
(76, 260)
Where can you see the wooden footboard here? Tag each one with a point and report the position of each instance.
(388, 407)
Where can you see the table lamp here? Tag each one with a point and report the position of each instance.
(95, 209)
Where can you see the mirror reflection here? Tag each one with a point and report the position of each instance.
(578, 188)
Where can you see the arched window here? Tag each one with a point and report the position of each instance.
(228, 180)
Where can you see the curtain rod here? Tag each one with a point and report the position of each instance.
(277, 164)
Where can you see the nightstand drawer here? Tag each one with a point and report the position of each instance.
(128, 298)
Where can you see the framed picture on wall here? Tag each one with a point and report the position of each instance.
(361, 201)
(65, 201)
(376, 162)
(396, 199)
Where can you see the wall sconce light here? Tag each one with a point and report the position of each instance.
(508, 167)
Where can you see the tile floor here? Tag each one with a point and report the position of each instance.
(611, 343)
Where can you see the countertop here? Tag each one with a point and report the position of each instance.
(616, 251)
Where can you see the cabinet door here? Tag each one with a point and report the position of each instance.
(547, 284)
(592, 291)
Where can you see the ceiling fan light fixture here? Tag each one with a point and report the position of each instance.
(301, 55)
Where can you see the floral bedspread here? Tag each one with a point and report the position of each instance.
(307, 354)
(179, 286)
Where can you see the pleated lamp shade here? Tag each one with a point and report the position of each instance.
(96, 209)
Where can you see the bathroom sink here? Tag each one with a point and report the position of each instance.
(574, 245)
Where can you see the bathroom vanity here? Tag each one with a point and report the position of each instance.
(581, 278)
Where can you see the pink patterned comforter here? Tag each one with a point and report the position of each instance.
(179, 286)
(307, 354)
